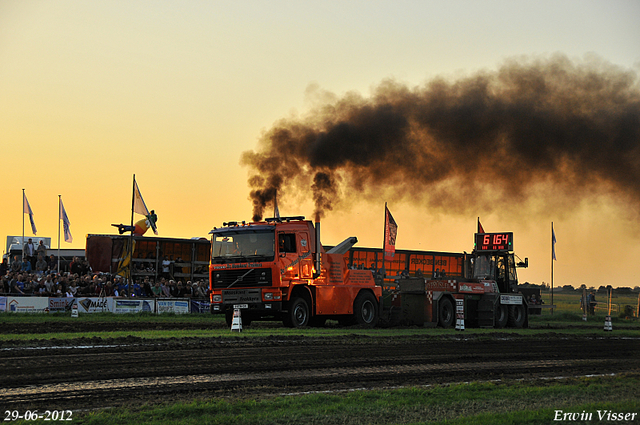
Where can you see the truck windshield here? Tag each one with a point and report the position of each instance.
(484, 267)
(243, 245)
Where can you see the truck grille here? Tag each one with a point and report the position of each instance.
(240, 278)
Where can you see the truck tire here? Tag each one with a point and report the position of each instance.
(501, 316)
(365, 309)
(517, 315)
(446, 313)
(299, 314)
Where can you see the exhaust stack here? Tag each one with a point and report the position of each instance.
(318, 248)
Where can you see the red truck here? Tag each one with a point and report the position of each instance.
(436, 288)
(277, 269)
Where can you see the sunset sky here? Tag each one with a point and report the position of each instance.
(94, 92)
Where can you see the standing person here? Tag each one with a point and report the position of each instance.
(166, 267)
(592, 303)
(29, 252)
(41, 250)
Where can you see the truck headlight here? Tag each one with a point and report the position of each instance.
(268, 296)
(216, 298)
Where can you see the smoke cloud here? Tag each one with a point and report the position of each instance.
(551, 130)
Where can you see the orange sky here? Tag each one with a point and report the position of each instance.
(94, 92)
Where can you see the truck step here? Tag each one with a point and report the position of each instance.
(485, 311)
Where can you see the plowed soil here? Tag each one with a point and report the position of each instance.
(94, 373)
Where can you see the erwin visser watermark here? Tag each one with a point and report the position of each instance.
(602, 415)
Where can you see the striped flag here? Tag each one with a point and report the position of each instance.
(26, 209)
(65, 223)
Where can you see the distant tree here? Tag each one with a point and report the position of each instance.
(568, 288)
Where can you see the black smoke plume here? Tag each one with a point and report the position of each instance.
(552, 130)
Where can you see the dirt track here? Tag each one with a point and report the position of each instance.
(87, 373)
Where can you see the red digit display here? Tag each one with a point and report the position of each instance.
(494, 241)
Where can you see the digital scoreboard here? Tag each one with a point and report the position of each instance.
(487, 242)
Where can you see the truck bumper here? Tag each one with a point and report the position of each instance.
(263, 308)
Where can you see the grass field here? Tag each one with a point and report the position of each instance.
(472, 403)
(499, 402)
(570, 303)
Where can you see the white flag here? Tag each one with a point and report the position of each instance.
(65, 223)
(26, 209)
(138, 203)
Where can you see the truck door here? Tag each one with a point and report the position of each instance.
(288, 254)
(306, 260)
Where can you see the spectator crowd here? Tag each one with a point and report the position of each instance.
(38, 275)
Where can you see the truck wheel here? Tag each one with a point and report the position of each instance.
(366, 309)
(501, 316)
(298, 316)
(446, 313)
(517, 315)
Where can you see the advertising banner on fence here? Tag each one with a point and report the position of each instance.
(172, 306)
(200, 306)
(121, 305)
(27, 304)
(93, 305)
(60, 304)
(3, 303)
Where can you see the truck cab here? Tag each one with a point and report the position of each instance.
(278, 270)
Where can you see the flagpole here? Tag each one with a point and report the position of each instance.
(59, 209)
(552, 251)
(275, 205)
(133, 200)
(23, 196)
(384, 242)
